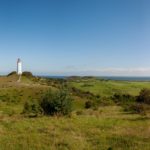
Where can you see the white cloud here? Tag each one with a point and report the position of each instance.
(73, 70)
(123, 71)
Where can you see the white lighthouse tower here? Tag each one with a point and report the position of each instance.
(19, 67)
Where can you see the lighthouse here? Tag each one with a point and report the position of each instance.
(19, 67)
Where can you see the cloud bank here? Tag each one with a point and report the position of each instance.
(83, 71)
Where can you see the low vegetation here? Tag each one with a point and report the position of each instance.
(27, 74)
(32, 108)
(76, 113)
(144, 96)
(12, 73)
(56, 103)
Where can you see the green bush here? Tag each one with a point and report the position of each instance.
(58, 102)
(123, 99)
(83, 94)
(144, 96)
(94, 103)
(27, 74)
(137, 108)
(106, 101)
(79, 112)
(88, 104)
(32, 108)
(12, 73)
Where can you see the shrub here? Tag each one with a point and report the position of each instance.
(79, 112)
(144, 96)
(58, 102)
(83, 94)
(122, 99)
(27, 74)
(32, 108)
(137, 108)
(88, 104)
(12, 73)
(94, 103)
(106, 101)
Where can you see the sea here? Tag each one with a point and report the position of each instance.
(115, 78)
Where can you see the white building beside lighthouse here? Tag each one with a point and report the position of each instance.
(19, 67)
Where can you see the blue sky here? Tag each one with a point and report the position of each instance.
(76, 37)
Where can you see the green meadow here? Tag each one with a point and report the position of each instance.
(109, 87)
(107, 127)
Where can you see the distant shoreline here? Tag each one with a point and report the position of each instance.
(115, 78)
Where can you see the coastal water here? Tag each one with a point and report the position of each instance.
(116, 78)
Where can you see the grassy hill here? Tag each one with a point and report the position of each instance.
(107, 127)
